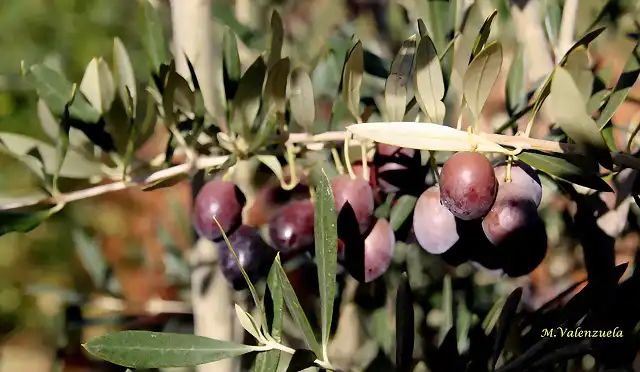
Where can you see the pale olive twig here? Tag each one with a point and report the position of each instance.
(347, 140)
(337, 161)
(567, 27)
(365, 161)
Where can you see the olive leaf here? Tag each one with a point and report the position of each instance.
(583, 42)
(395, 89)
(98, 86)
(577, 64)
(230, 55)
(568, 111)
(428, 81)
(276, 85)
(302, 99)
(55, 89)
(124, 75)
(352, 79)
(62, 142)
(246, 102)
(483, 35)
(247, 322)
(516, 94)
(153, 40)
(465, 46)
(481, 76)
(277, 37)
(401, 211)
(24, 222)
(625, 82)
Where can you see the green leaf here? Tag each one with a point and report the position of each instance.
(326, 244)
(276, 87)
(627, 79)
(124, 75)
(143, 349)
(277, 37)
(447, 308)
(516, 93)
(352, 79)
(481, 76)
(246, 102)
(428, 81)
(268, 362)
(146, 118)
(553, 18)
(132, 138)
(401, 210)
(565, 169)
(583, 42)
(568, 111)
(62, 142)
(395, 89)
(230, 55)
(24, 222)
(301, 99)
(54, 88)
(97, 85)
(153, 40)
(91, 256)
(74, 165)
(422, 28)
(273, 163)
(247, 322)
(293, 304)
(578, 67)
(596, 101)
(465, 47)
(483, 36)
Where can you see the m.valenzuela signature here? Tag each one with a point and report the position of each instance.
(581, 333)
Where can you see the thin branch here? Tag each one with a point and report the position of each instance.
(152, 307)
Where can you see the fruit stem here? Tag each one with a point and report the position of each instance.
(337, 161)
(291, 160)
(434, 166)
(347, 140)
(365, 161)
(507, 177)
(474, 145)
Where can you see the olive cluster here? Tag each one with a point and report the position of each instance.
(501, 202)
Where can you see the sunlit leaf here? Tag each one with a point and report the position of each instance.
(326, 248)
(98, 86)
(55, 90)
(352, 79)
(62, 142)
(465, 46)
(144, 349)
(583, 42)
(302, 99)
(483, 35)
(564, 169)
(577, 65)
(625, 82)
(423, 136)
(274, 309)
(516, 94)
(428, 81)
(395, 90)
(124, 75)
(247, 322)
(481, 76)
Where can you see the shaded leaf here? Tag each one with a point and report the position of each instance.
(246, 102)
(577, 65)
(295, 309)
(90, 254)
(352, 79)
(516, 94)
(143, 349)
(145, 119)
(353, 241)
(423, 136)
(230, 55)
(23, 222)
(124, 75)
(62, 142)
(276, 86)
(446, 327)
(483, 35)
(583, 42)
(564, 169)
(428, 81)
(326, 248)
(54, 88)
(404, 325)
(401, 211)
(625, 82)
(302, 99)
(274, 310)
(505, 321)
(481, 76)
(153, 40)
(277, 37)
(300, 360)
(395, 90)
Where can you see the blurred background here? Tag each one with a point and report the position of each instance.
(129, 232)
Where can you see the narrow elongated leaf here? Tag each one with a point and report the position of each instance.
(583, 42)
(465, 46)
(516, 94)
(423, 136)
(98, 86)
(153, 40)
(352, 79)
(276, 86)
(274, 310)
(302, 99)
(247, 322)
(428, 81)
(401, 211)
(568, 111)
(124, 75)
(395, 89)
(91, 256)
(145, 119)
(481, 77)
(505, 321)
(627, 79)
(54, 88)
(483, 36)
(23, 222)
(447, 309)
(578, 67)
(246, 102)
(556, 166)
(404, 325)
(326, 246)
(298, 315)
(143, 349)
(230, 55)
(62, 142)
(277, 37)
